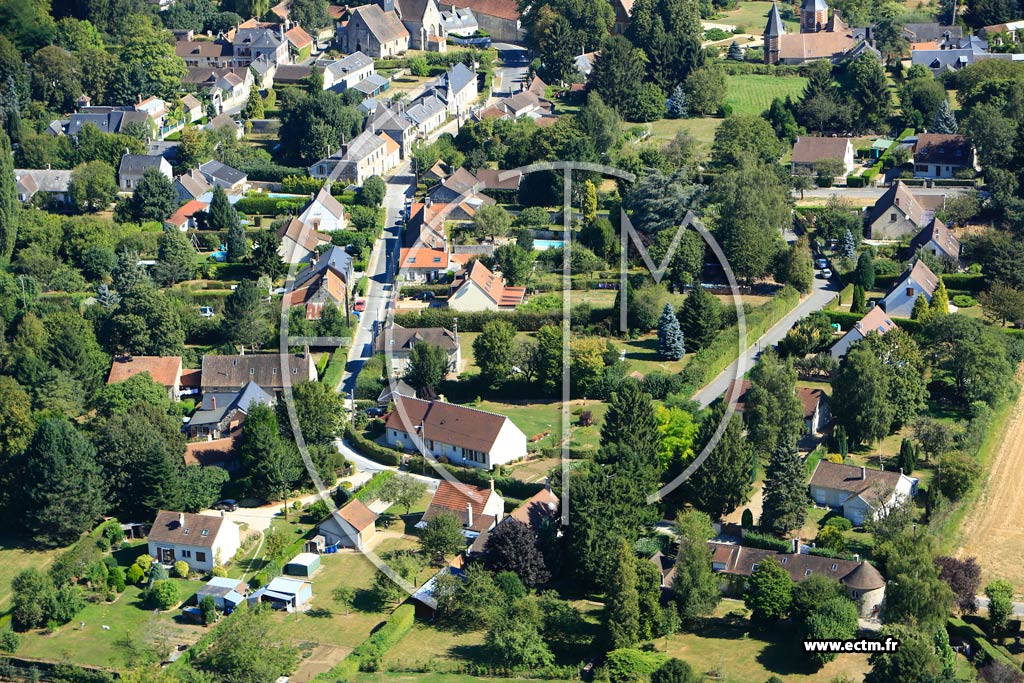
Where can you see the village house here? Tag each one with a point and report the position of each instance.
(459, 23)
(221, 453)
(460, 434)
(324, 213)
(1007, 33)
(954, 55)
(481, 290)
(342, 74)
(253, 39)
(918, 280)
(226, 122)
(817, 413)
(423, 264)
(107, 119)
(875, 321)
(327, 280)
(392, 121)
(396, 343)
(224, 374)
(372, 30)
(479, 509)
(294, 74)
(298, 241)
(809, 152)
(499, 18)
(300, 44)
(366, 155)
(736, 563)
(198, 53)
(222, 413)
(186, 216)
(192, 107)
(457, 88)
(427, 113)
(860, 493)
(221, 175)
(372, 86)
(623, 16)
(899, 212)
(932, 36)
(422, 19)
(394, 389)
(163, 370)
(203, 541)
(938, 240)
(133, 166)
(352, 526)
(191, 185)
(50, 183)
(942, 156)
(425, 227)
(227, 87)
(454, 188)
(535, 512)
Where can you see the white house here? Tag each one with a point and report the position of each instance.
(479, 509)
(482, 290)
(52, 182)
(298, 241)
(342, 74)
(809, 152)
(817, 412)
(462, 435)
(324, 213)
(899, 212)
(874, 321)
(939, 240)
(396, 343)
(366, 155)
(133, 166)
(351, 527)
(425, 265)
(203, 541)
(917, 280)
(860, 493)
(938, 155)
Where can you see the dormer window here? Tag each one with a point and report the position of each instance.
(252, 371)
(187, 531)
(835, 566)
(206, 532)
(807, 572)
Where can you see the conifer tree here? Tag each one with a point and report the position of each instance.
(940, 300)
(945, 120)
(254, 107)
(631, 422)
(785, 493)
(671, 344)
(700, 316)
(864, 274)
(8, 200)
(847, 245)
(921, 311)
(735, 54)
(677, 104)
(858, 305)
(907, 459)
(623, 598)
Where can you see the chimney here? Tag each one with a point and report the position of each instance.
(181, 519)
(213, 403)
(469, 514)
(492, 483)
(856, 557)
(547, 483)
(796, 546)
(863, 473)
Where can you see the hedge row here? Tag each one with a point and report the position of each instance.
(964, 282)
(369, 491)
(367, 655)
(371, 449)
(261, 205)
(267, 171)
(472, 476)
(979, 643)
(523, 321)
(753, 539)
(847, 320)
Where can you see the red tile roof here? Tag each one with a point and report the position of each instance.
(542, 505)
(186, 211)
(165, 370)
(298, 37)
(358, 515)
(493, 285)
(215, 452)
(424, 258)
(502, 9)
(455, 498)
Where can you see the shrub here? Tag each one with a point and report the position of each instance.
(145, 563)
(208, 609)
(754, 539)
(840, 523)
(113, 532)
(9, 641)
(856, 181)
(163, 595)
(964, 301)
(135, 574)
(219, 571)
(158, 572)
(181, 569)
(371, 449)
(627, 664)
(116, 579)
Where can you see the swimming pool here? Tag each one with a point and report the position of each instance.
(542, 245)
(284, 195)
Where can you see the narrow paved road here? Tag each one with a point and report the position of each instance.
(380, 269)
(823, 292)
(1018, 607)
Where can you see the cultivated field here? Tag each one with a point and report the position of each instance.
(993, 529)
(752, 94)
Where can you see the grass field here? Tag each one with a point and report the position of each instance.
(543, 419)
(701, 130)
(14, 559)
(752, 94)
(752, 18)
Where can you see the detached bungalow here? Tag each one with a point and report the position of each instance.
(916, 280)
(809, 152)
(942, 156)
(217, 174)
(899, 212)
(460, 434)
(351, 527)
(202, 541)
(324, 213)
(185, 217)
(939, 240)
(860, 493)
(875, 321)
(482, 290)
(479, 509)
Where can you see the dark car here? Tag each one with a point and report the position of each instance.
(425, 296)
(375, 411)
(226, 505)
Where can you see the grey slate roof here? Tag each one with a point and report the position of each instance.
(926, 33)
(257, 37)
(459, 77)
(335, 258)
(775, 25)
(424, 108)
(387, 119)
(814, 6)
(109, 121)
(136, 164)
(215, 170)
(371, 83)
(44, 180)
(348, 64)
(215, 406)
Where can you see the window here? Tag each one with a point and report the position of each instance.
(784, 560)
(892, 217)
(187, 531)
(200, 556)
(754, 567)
(910, 291)
(835, 566)
(807, 572)
(252, 371)
(206, 532)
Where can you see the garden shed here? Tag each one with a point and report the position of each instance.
(303, 564)
(286, 594)
(226, 593)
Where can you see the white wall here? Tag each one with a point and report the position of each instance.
(469, 297)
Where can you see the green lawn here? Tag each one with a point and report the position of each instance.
(642, 355)
(752, 94)
(14, 559)
(752, 18)
(543, 419)
(133, 630)
(701, 130)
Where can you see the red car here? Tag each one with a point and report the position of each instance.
(360, 305)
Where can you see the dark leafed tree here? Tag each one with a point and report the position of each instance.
(442, 537)
(864, 274)
(700, 318)
(623, 599)
(512, 546)
(775, 415)
(675, 671)
(753, 205)
(860, 396)
(244, 650)
(618, 74)
(428, 366)
(175, 257)
(905, 366)
(245, 320)
(785, 491)
(8, 200)
(64, 492)
(671, 344)
(269, 465)
(493, 351)
(833, 619)
(221, 215)
(264, 257)
(154, 199)
(964, 578)
(630, 422)
(72, 347)
(723, 482)
(735, 53)
(914, 660)
(319, 409)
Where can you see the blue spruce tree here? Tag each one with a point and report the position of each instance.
(847, 247)
(671, 344)
(945, 120)
(677, 104)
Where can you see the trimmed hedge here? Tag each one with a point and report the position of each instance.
(856, 181)
(509, 487)
(268, 171)
(753, 539)
(369, 491)
(259, 204)
(965, 282)
(371, 449)
(979, 643)
(523, 321)
(368, 653)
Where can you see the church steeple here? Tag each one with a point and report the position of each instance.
(772, 31)
(813, 16)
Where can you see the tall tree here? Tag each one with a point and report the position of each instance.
(1000, 605)
(623, 601)
(700, 318)
(723, 482)
(269, 464)
(245, 651)
(945, 120)
(8, 200)
(618, 75)
(221, 216)
(833, 619)
(796, 268)
(428, 366)
(442, 537)
(753, 209)
(695, 588)
(154, 199)
(914, 660)
(964, 579)
(940, 300)
(493, 351)
(16, 426)
(175, 257)
(785, 491)
(775, 414)
(513, 546)
(64, 491)
(864, 273)
(254, 107)
(671, 344)
(905, 366)
(860, 396)
(92, 186)
(631, 422)
(245, 319)
(769, 592)
(265, 258)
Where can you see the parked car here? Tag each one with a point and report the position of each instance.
(425, 296)
(826, 273)
(206, 311)
(227, 505)
(359, 306)
(376, 411)
(821, 263)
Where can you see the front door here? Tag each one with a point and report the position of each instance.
(166, 555)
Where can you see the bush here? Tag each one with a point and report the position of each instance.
(145, 563)
(113, 532)
(840, 523)
(116, 579)
(964, 301)
(9, 641)
(219, 571)
(966, 282)
(371, 449)
(754, 539)
(626, 665)
(181, 569)
(208, 609)
(163, 595)
(856, 181)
